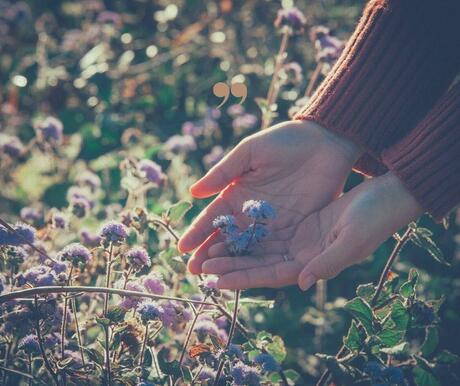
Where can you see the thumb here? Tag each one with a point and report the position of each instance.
(333, 260)
(232, 166)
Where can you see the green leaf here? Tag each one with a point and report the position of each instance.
(425, 242)
(169, 368)
(116, 314)
(353, 339)
(252, 354)
(361, 311)
(366, 291)
(292, 375)
(408, 288)
(445, 357)
(277, 349)
(178, 210)
(400, 315)
(423, 377)
(95, 355)
(399, 349)
(390, 335)
(431, 341)
(187, 374)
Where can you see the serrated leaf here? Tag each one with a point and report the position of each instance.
(423, 377)
(353, 339)
(429, 245)
(361, 311)
(431, 341)
(178, 210)
(447, 358)
(400, 315)
(390, 336)
(365, 291)
(277, 349)
(408, 288)
(399, 349)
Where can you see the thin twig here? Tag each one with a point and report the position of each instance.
(189, 333)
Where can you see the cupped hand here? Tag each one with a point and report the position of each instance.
(299, 167)
(323, 243)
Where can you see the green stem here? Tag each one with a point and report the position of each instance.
(230, 336)
(64, 316)
(107, 278)
(189, 333)
(108, 370)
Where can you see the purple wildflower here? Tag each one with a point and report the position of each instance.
(193, 129)
(173, 314)
(268, 363)
(244, 122)
(11, 146)
(212, 158)
(209, 287)
(244, 375)
(148, 311)
(151, 171)
(258, 210)
(58, 220)
(23, 233)
(109, 17)
(138, 258)
(59, 267)
(291, 17)
(154, 283)
(31, 215)
(89, 239)
(80, 206)
(113, 233)
(257, 231)
(130, 302)
(226, 224)
(293, 72)
(207, 374)
(47, 279)
(235, 110)
(50, 131)
(76, 253)
(205, 326)
(235, 350)
(29, 344)
(180, 144)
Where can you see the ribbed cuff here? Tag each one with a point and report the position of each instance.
(427, 160)
(401, 58)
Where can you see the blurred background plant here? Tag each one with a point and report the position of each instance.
(107, 114)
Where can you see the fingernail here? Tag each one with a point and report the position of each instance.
(307, 282)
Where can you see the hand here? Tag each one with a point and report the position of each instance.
(297, 166)
(325, 242)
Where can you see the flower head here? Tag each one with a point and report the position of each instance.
(244, 375)
(130, 302)
(11, 146)
(138, 258)
(151, 171)
(291, 17)
(76, 253)
(212, 158)
(31, 215)
(226, 224)
(29, 344)
(80, 206)
(50, 131)
(154, 283)
(149, 311)
(258, 210)
(58, 220)
(191, 128)
(180, 144)
(113, 233)
(89, 179)
(268, 363)
(15, 256)
(22, 234)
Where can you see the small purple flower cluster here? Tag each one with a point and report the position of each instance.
(292, 18)
(149, 311)
(242, 242)
(113, 233)
(11, 146)
(180, 144)
(138, 258)
(151, 171)
(76, 254)
(22, 234)
(50, 131)
(89, 179)
(244, 375)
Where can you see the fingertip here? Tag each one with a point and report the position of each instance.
(306, 281)
(193, 267)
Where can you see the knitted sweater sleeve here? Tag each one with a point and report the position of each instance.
(400, 60)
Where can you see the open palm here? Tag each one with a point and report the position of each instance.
(324, 242)
(298, 167)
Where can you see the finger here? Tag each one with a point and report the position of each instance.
(232, 166)
(201, 254)
(201, 227)
(333, 260)
(223, 265)
(274, 276)
(270, 247)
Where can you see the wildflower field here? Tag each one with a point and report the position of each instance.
(109, 113)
